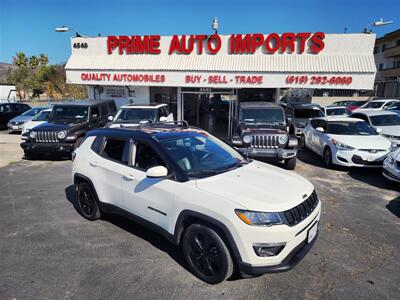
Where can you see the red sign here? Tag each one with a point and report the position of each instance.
(238, 43)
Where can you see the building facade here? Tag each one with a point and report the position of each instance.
(387, 59)
(203, 77)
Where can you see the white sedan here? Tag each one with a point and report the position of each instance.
(346, 142)
(391, 166)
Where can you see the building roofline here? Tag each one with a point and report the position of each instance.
(388, 35)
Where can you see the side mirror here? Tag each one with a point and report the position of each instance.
(157, 172)
(378, 130)
(110, 118)
(320, 129)
(163, 119)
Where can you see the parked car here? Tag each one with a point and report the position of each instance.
(336, 111)
(134, 115)
(39, 119)
(346, 142)
(66, 127)
(261, 131)
(201, 194)
(298, 115)
(386, 122)
(341, 103)
(17, 123)
(9, 111)
(394, 107)
(377, 104)
(353, 105)
(391, 166)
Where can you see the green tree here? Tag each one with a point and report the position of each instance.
(43, 59)
(33, 62)
(20, 59)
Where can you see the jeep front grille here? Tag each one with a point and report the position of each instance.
(264, 141)
(46, 137)
(303, 210)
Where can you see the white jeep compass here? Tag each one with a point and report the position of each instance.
(225, 211)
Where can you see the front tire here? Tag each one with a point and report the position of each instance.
(87, 203)
(328, 157)
(290, 163)
(206, 254)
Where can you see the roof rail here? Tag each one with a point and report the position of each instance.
(181, 123)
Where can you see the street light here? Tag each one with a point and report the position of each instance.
(68, 29)
(376, 24)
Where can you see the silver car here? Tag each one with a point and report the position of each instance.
(16, 124)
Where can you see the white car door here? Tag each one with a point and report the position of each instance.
(152, 199)
(107, 169)
(318, 137)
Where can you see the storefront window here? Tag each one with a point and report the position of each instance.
(166, 95)
(246, 95)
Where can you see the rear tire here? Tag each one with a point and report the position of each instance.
(87, 202)
(328, 157)
(206, 254)
(290, 163)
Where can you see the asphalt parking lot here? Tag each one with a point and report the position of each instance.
(48, 251)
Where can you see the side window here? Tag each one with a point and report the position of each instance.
(165, 110)
(111, 107)
(146, 157)
(94, 112)
(97, 143)
(116, 149)
(5, 108)
(314, 123)
(388, 104)
(103, 109)
(160, 113)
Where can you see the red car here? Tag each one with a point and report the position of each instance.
(356, 104)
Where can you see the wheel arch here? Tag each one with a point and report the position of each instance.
(80, 178)
(188, 217)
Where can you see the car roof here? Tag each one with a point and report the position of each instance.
(384, 100)
(339, 118)
(87, 102)
(259, 104)
(152, 106)
(335, 106)
(158, 131)
(374, 112)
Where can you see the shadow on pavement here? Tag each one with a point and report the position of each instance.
(373, 177)
(394, 207)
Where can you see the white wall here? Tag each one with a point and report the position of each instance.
(5, 92)
(120, 94)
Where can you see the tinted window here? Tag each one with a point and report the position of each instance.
(146, 157)
(135, 115)
(385, 120)
(104, 109)
(69, 112)
(96, 145)
(32, 112)
(337, 111)
(94, 112)
(362, 117)
(5, 108)
(42, 116)
(350, 128)
(318, 123)
(373, 104)
(302, 113)
(166, 112)
(111, 107)
(114, 149)
(260, 115)
(394, 106)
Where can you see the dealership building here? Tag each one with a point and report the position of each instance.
(203, 77)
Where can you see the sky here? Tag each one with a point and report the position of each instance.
(28, 26)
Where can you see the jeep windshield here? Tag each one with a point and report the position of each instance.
(262, 115)
(202, 155)
(135, 115)
(69, 113)
(350, 128)
(308, 113)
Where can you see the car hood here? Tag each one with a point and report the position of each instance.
(21, 119)
(259, 186)
(122, 125)
(390, 130)
(363, 142)
(262, 129)
(48, 126)
(32, 124)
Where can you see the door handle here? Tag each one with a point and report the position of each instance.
(129, 177)
(94, 163)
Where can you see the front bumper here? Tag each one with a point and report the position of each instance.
(357, 158)
(47, 148)
(295, 239)
(277, 153)
(391, 171)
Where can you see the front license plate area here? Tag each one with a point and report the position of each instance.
(312, 233)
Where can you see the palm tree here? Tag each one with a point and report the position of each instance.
(33, 62)
(20, 59)
(43, 59)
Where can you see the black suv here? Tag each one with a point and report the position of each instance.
(9, 111)
(261, 131)
(67, 127)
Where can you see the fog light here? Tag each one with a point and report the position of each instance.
(265, 250)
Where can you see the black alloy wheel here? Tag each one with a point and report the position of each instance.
(206, 254)
(87, 202)
(327, 157)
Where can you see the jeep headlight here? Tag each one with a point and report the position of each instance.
(32, 134)
(282, 139)
(62, 134)
(247, 139)
(257, 218)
